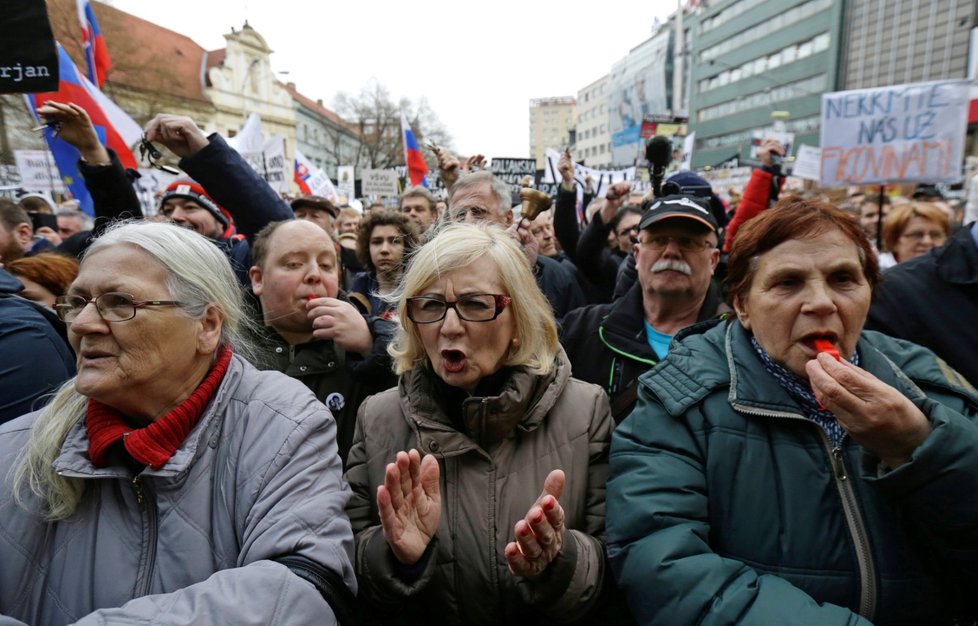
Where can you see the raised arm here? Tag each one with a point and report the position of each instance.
(566, 228)
(106, 180)
(223, 172)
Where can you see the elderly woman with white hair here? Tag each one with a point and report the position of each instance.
(479, 481)
(170, 482)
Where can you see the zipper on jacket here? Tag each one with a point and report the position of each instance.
(494, 529)
(147, 508)
(850, 507)
(857, 527)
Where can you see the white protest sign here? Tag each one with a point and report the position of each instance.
(902, 133)
(38, 171)
(688, 143)
(378, 182)
(344, 181)
(601, 179)
(807, 163)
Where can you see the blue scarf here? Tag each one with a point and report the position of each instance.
(801, 392)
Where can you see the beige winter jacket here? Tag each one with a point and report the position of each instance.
(534, 425)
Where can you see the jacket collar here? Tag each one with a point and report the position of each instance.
(718, 354)
(623, 330)
(521, 403)
(74, 462)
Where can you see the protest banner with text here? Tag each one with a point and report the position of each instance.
(902, 133)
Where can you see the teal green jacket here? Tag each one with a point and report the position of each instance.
(727, 506)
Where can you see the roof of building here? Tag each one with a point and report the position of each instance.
(145, 56)
(317, 107)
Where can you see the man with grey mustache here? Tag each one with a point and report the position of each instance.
(675, 256)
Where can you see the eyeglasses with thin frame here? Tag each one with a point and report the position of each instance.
(112, 306)
(476, 307)
(631, 230)
(690, 244)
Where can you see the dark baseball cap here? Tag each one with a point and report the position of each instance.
(679, 206)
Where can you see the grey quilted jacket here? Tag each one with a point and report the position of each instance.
(258, 478)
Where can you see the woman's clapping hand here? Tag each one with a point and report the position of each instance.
(409, 503)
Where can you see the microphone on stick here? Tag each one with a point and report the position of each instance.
(658, 152)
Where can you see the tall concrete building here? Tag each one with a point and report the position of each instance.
(593, 138)
(640, 86)
(552, 125)
(750, 58)
(907, 41)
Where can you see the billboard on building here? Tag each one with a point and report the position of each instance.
(637, 90)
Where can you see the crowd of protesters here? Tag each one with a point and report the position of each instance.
(645, 407)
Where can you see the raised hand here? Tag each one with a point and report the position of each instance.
(76, 128)
(878, 417)
(178, 133)
(613, 199)
(539, 535)
(447, 165)
(566, 168)
(475, 163)
(769, 147)
(409, 504)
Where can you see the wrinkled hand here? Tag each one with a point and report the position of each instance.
(877, 416)
(769, 147)
(566, 168)
(447, 166)
(77, 129)
(179, 133)
(539, 535)
(409, 505)
(520, 231)
(340, 321)
(614, 197)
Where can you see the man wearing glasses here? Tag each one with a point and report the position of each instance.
(676, 254)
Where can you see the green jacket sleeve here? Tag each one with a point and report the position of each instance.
(658, 535)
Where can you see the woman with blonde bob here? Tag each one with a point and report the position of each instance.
(911, 230)
(170, 481)
(479, 482)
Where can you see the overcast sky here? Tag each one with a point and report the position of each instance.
(479, 64)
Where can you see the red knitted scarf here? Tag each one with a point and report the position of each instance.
(151, 445)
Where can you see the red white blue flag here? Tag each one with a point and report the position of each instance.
(312, 180)
(416, 167)
(96, 53)
(116, 130)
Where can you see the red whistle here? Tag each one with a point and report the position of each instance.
(311, 297)
(824, 345)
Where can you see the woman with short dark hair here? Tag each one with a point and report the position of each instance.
(788, 467)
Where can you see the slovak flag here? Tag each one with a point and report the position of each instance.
(417, 168)
(115, 129)
(96, 53)
(312, 180)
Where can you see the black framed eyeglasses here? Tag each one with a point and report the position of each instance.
(112, 306)
(477, 307)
